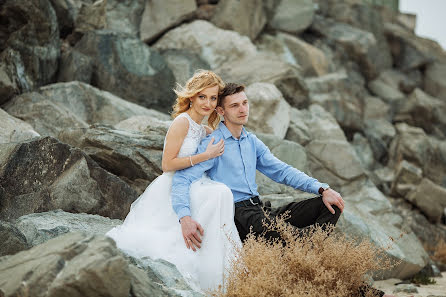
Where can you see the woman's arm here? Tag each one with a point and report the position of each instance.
(174, 140)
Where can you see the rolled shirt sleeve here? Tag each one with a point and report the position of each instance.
(283, 173)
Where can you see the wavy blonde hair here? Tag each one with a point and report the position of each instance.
(201, 80)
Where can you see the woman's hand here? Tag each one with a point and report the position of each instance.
(215, 150)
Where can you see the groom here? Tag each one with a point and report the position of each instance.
(244, 154)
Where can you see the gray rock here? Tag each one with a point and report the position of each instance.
(336, 171)
(145, 124)
(334, 92)
(429, 198)
(407, 178)
(75, 66)
(406, 288)
(298, 131)
(85, 15)
(387, 92)
(44, 174)
(364, 16)
(38, 228)
(13, 129)
(13, 241)
(290, 15)
(410, 51)
(133, 156)
(269, 112)
(363, 151)
(380, 133)
(245, 17)
(433, 82)
(375, 108)
(78, 265)
(428, 153)
(30, 38)
(288, 152)
(183, 64)
(270, 69)
(160, 16)
(73, 105)
(209, 42)
(423, 111)
(360, 45)
(312, 61)
(378, 228)
(127, 67)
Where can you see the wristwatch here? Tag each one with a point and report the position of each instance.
(323, 187)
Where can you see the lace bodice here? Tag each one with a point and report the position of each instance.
(194, 135)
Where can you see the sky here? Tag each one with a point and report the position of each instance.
(431, 18)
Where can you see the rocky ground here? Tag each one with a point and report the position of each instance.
(342, 90)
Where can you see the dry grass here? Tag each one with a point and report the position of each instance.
(315, 264)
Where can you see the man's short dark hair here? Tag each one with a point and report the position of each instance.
(228, 90)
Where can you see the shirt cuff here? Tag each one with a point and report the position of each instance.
(315, 188)
(182, 212)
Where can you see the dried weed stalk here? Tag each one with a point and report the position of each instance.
(319, 263)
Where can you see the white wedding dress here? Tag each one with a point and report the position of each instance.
(151, 228)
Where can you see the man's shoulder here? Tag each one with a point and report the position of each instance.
(216, 134)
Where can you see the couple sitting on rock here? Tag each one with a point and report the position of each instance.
(187, 215)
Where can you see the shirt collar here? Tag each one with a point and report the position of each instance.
(226, 133)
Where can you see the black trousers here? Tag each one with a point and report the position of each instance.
(301, 214)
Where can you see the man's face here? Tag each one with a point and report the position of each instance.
(235, 109)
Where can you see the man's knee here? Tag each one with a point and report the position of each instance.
(335, 217)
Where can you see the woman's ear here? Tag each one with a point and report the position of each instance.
(220, 110)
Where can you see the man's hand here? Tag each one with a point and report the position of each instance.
(331, 197)
(191, 237)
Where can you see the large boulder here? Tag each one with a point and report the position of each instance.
(403, 248)
(38, 228)
(268, 68)
(13, 241)
(269, 112)
(214, 45)
(73, 105)
(360, 45)
(364, 16)
(379, 133)
(289, 152)
(428, 153)
(130, 69)
(133, 156)
(76, 265)
(13, 129)
(293, 50)
(84, 15)
(75, 66)
(183, 64)
(434, 84)
(298, 131)
(44, 174)
(429, 198)
(30, 46)
(245, 17)
(290, 15)
(410, 51)
(160, 16)
(422, 110)
(328, 140)
(336, 94)
(407, 178)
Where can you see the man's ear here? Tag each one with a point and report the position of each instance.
(220, 110)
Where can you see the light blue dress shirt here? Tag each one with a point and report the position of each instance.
(237, 169)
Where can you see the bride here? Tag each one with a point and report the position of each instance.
(151, 228)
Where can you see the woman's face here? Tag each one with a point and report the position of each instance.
(205, 101)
